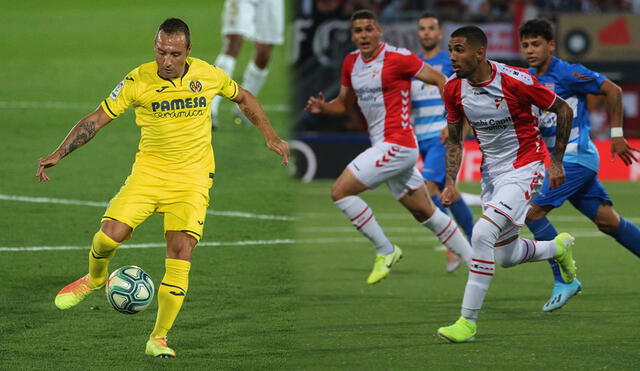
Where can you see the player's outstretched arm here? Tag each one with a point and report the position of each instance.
(564, 115)
(342, 104)
(250, 106)
(453, 161)
(80, 134)
(432, 76)
(619, 145)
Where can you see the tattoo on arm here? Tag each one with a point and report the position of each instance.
(454, 150)
(564, 115)
(249, 114)
(80, 135)
(614, 105)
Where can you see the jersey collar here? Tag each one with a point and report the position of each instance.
(552, 65)
(494, 69)
(186, 69)
(382, 47)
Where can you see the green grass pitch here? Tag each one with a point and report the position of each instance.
(63, 58)
(343, 323)
(294, 298)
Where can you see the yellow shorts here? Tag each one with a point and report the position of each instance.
(184, 207)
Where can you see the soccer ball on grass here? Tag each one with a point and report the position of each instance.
(129, 289)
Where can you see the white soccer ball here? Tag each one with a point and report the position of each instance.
(129, 289)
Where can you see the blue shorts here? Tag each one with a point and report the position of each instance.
(433, 154)
(581, 188)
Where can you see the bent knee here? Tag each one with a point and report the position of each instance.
(607, 226)
(337, 195)
(535, 212)
(181, 251)
(180, 245)
(116, 230)
(606, 219)
(502, 260)
(421, 215)
(262, 60)
(232, 45)
(484, 233)
(263, 55)
(338, 192)
(479, 235)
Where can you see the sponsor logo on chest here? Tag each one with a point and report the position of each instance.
(179, 104)
(487, 111)
(366, 82)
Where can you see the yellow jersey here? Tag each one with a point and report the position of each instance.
(174, 117)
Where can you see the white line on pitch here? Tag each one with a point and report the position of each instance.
(230, 243)
(151, 245)
(86, 105)
(361, 240)
(47, 200)
(351, 229)
(553, 218)
(408, 230)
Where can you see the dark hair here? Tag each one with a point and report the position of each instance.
(172, 26)
(474, 35)
(537, 27)
(429, 15)
(364, 14)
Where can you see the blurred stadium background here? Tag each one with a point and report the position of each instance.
(344, 324)
(602, 35)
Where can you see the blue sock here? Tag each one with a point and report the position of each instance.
(464, 217)
(627, 234)
(543, 230)
(436, 200)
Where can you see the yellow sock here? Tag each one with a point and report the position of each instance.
(171, 292)
(103, 249)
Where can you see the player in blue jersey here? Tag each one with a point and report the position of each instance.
(582, 188)
(430, 127)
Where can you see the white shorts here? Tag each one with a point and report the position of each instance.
(257, 20)
(391, 164)
(510, 193)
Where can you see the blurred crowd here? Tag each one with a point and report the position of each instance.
(322, 40)
(472, 10)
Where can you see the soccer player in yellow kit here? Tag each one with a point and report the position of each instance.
(173, 170)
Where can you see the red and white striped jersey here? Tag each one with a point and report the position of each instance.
(382, 85)
(500, 113)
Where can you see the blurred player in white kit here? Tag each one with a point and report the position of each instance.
(261, 21)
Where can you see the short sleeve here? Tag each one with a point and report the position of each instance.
(580, 79)
(347, 68)
(410, 64)
(452, 101)
(227, 87)
(122, 96)
(536, 93)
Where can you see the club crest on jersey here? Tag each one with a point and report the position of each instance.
(116, 91)
(375, 73)
(195, 86)
(498, 102)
